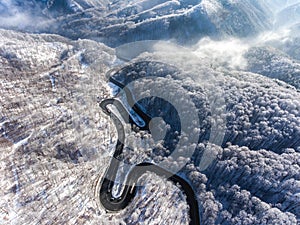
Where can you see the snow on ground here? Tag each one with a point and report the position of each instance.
(69, 141)
(56, 144)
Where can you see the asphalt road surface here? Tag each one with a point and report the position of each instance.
(112, 203)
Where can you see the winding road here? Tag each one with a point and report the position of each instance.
(107, 199)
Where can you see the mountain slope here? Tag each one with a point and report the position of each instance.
(119, 22)
(56, 143)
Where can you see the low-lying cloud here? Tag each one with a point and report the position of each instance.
(29, 14)
(228, 53)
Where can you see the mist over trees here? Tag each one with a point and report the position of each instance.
(242, 76)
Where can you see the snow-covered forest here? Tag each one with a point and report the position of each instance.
(231, 66)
